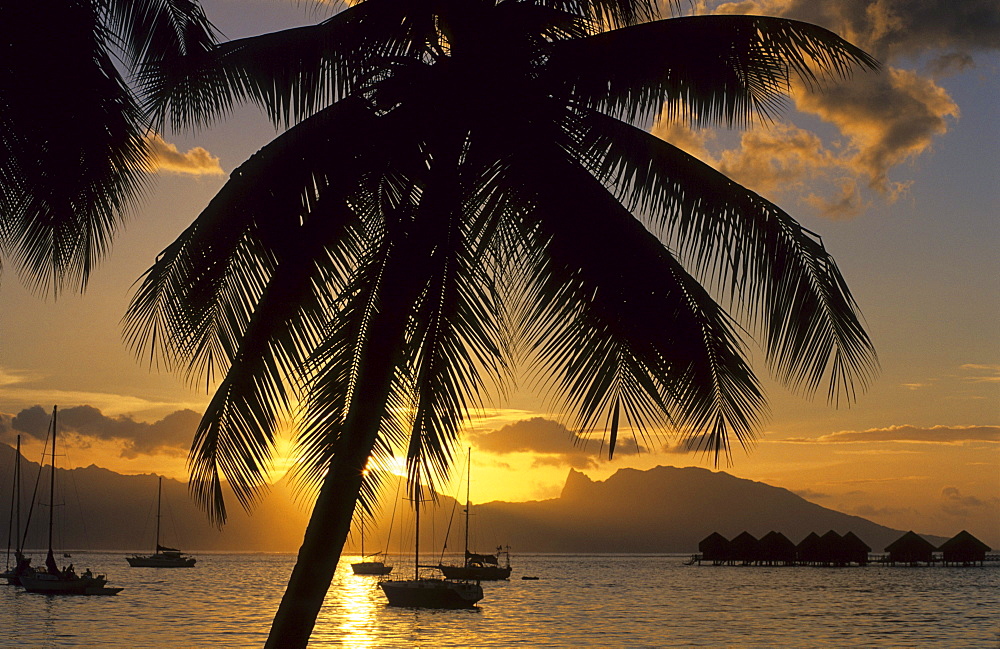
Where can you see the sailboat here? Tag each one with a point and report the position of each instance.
(424, 592)
(366, 567)
(480, 567)
(162, 557)
(22, 564)
(52, 580)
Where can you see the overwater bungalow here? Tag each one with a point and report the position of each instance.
(714, 548)
(910, 548)
(856, 549)
(964, 549)
(807, 551)
(745, 549)
(776, 549)
(831, 549)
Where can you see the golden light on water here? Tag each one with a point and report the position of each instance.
(354, 606)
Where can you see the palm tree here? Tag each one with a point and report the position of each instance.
(73, 152)
(467, 184)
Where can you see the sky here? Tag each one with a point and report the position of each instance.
(897, 171)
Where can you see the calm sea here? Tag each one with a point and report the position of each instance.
(578, 600)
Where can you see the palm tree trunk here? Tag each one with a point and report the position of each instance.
(330, 521)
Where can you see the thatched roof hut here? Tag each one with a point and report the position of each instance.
(910, 548)
(964, 548)
(856, 549)
(831, 548)
(808, 548)
(745, 548)
(775, 547)
(714, 547)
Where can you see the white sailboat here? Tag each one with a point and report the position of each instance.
(162, 557)
(53, 580)
(425, 592)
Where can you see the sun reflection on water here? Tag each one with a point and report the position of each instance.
(351, 608)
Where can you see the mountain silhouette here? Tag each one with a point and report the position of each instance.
(664, 509)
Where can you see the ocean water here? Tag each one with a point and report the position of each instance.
(577, 601)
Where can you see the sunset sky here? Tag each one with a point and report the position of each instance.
(898, 171)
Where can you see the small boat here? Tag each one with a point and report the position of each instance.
(162, 557)
(424, 592)
(479, 567)
(369, 566)
(65, 581)
(22, 564)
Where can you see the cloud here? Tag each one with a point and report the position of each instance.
(868, 510)
(955, 503)
(978, 373)
(164, 156)
(886, 120)
(891, 29)
(551, 442)
(932, 435)
(809, 494)
(171, 435)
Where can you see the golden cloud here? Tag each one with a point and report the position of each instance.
(932, 435)
(197, 161)
(551, 442)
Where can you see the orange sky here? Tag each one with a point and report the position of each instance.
(897, 173)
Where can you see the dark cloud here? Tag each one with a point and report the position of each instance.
(956, 504)
(892, 29)
(551, 442)
(171, 435)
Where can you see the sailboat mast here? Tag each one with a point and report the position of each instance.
(159, 497)
(468, 489)
(416, 544)
(15, 503)
(17, 481)
(52, 476)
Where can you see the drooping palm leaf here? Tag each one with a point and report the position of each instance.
(708, 69)
(778, 274)
(72, 148)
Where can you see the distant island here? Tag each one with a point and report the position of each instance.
(662, 510)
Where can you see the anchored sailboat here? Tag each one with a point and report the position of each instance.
(423, 592)
(162, 557)
(52, 580)
(366, 566)
(480, 567)
(22, 564)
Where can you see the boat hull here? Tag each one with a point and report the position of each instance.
(431, 593)
(160, 561)
(476, 573)
(47, 584)
(371, 568)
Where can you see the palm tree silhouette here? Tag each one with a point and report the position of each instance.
(73, 149)
(467, 184)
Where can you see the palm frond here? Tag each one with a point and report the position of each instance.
(73, 159)
(778, 274)
(624, 326)
(707, 69)
(291, 73)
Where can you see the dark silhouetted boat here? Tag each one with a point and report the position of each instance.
(53, 580)
(162, 557)
(478, 567)
(370, 564)
(424, 592)
(22, 564)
